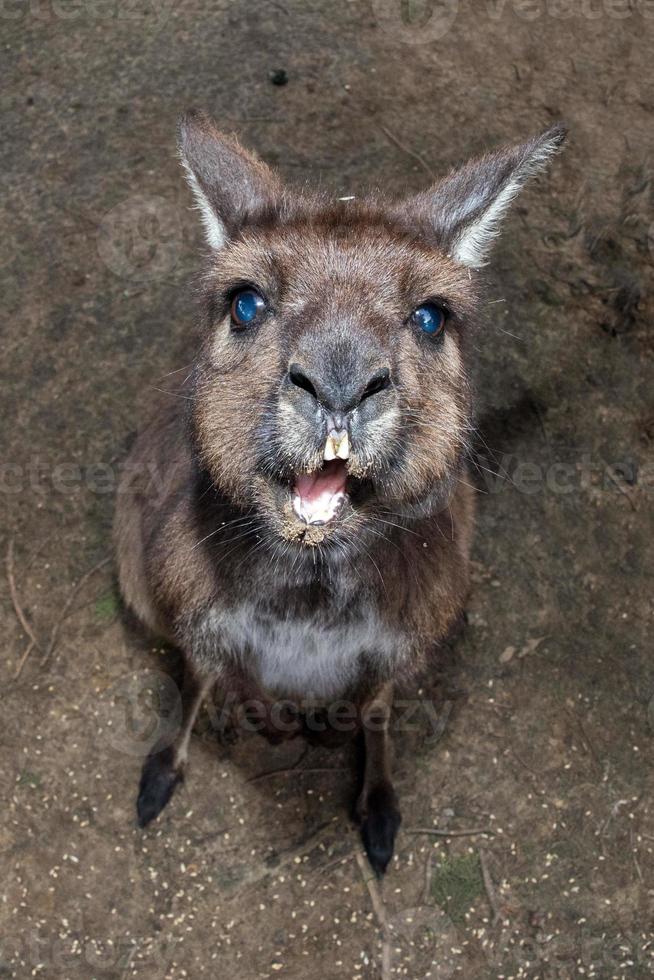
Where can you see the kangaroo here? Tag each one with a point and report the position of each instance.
(298, 523)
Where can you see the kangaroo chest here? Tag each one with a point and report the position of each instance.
(309, 656)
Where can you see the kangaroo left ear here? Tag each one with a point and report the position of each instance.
(464, 210)
(229, 183)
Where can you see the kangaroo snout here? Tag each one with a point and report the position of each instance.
(336, 395)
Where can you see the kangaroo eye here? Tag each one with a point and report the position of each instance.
(246, 306)
(430, 318)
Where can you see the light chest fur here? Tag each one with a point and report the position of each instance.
(316, 656)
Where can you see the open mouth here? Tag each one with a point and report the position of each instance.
(318, 497)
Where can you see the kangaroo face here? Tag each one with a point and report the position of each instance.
(333, 386)
(332, 389)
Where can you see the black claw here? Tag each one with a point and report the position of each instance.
(158, 781)
(379, 828)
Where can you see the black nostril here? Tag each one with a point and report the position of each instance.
(338, 397)
(297, 377)
(381, 379)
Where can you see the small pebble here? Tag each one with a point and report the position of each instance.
(279, 76)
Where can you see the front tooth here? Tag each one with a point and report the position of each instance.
(330, 449)
(343, 448)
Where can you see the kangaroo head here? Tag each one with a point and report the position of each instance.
(332, 386)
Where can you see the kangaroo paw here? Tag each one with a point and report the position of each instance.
(158, 781)
(380, 821)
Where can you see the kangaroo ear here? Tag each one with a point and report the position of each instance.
(464, 210)
(229, 183)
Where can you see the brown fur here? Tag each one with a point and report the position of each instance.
(204, 524)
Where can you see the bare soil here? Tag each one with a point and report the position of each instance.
(537, 726)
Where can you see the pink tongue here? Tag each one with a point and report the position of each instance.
(327, 481)
(318, 495)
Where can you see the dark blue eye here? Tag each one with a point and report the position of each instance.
(430, 318)
(246, 307)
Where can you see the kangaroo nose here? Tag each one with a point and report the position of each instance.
(337, 397)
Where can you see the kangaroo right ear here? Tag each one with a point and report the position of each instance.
(227, 181)
(463, 212)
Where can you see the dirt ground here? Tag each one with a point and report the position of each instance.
(537, 727)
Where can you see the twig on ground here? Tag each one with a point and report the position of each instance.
(427, 890)
(524, 764)
(380, 912)
(287, 769)
(634, 851)
(585, 739)
(67, 604)
(23, 659)
(292, 769)
(623, 490)
(370, 881)
(35, 554)
(489, 886)
(613, 813)
(438, 832)
(405, 149)
(22, 618)
(128, 962)
(343, 859)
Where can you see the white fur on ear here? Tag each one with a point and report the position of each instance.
(475, 236)
(214, 229)
(230, 185)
